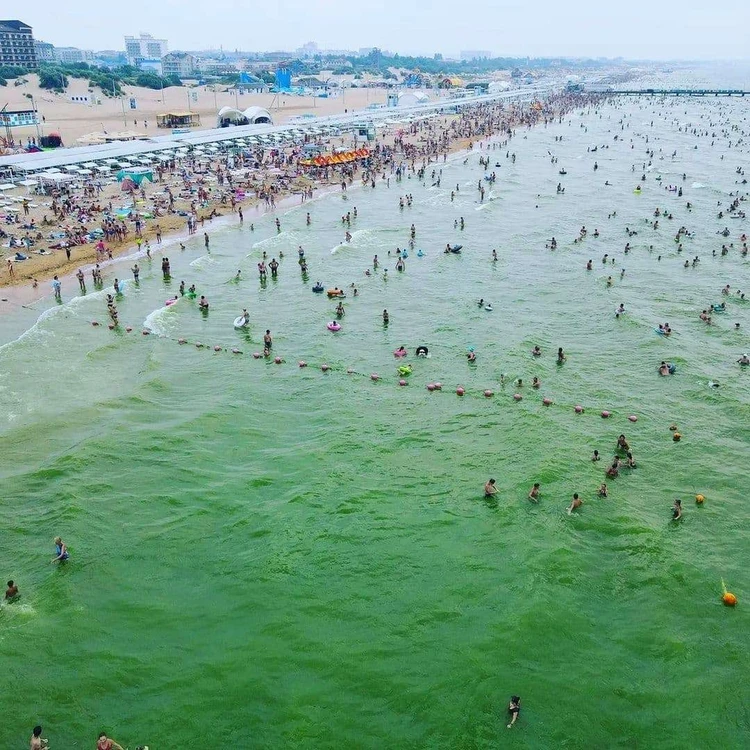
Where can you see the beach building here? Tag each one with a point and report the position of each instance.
(180, 64)
(411, 98)
(144, 47)
(12, 118)
(45, 52)
(178, 120)
(73, 55)
(229, 116)
(17, 45)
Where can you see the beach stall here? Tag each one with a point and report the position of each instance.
(180, 121)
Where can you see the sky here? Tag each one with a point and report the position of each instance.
(634, 29)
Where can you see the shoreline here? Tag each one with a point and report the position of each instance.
(23, 293)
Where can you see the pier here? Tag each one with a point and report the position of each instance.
(677, 92)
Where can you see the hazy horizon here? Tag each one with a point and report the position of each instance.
(640, 30)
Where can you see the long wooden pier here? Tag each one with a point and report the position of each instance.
(678, 92)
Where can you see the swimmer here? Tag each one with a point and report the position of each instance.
(744, 360)
(621, 309)
(106, 743)
(61, 551)
(677, 509)
(37, 741)
(267, 340)
(596, 456)
(11, 592)
(603, 491)
(536, 351)
(489, 488)
(400, 352)
(560, 356)
(664, 369)
(631, 461)
(575, 503)
(245, 317)
(386, 317)
(514, 708)
(203, 303)
(471, 356)
(614, 471)
(622, 444)
(421, 351)
(534, 493)
(536, 383)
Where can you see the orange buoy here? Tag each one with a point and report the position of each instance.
(728, 597)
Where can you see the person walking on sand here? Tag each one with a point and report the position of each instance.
(57, 287)
(11, 270)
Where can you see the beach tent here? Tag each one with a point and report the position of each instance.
(136, 174)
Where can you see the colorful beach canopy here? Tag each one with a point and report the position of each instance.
(329, 160)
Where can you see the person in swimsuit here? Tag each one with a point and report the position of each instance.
(422, 351)
(37, 741)
(267, 340)
(677, 510)
(575, 503)
(489, 488)
(603, 491)
(11, 592)
(514, 707)
(61, 551)
(534, 493)
(106, 743)
(622, 444)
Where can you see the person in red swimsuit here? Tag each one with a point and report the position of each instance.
(105, 743)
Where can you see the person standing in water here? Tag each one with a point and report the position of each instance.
(37, 741)
(61, 551)
(575, 503)
(267, 340)
(677, 510)
(489, 488)
(514, 708)
(12, 593)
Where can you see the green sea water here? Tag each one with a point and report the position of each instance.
(265, 556)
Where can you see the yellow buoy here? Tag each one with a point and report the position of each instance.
(699, 499)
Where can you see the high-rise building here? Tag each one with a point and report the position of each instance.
(45, 52)
(180, 64)
(144, 47)
(17, 45)
(73, 55)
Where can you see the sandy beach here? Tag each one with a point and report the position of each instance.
(74, 120)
